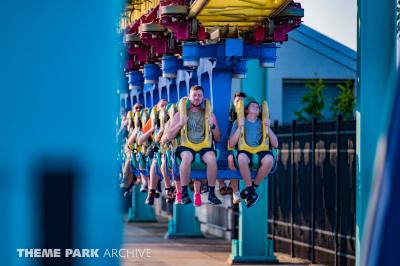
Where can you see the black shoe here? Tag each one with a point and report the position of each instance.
(186, 199)
(204, 187)
(246, 192)
(214, 200)
(251, 199)
(150, 198)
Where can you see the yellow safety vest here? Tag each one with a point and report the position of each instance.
(171, 112)
(162, 116)
(136, 120)
(154, 116)
(183, 106)
(264, 145)
(143, 118)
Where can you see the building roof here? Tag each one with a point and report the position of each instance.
(326, 46)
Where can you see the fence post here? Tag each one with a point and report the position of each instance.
(292, 190)
(314, 129)
(337, 192)
(274, 191)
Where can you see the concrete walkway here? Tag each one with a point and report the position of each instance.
(207, 251)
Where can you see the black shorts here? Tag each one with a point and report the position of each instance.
(260, 154)
(203, 151)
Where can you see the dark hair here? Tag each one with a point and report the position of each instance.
(137, 105)
(197, 88)
(240, 94)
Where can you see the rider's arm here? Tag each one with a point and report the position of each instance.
(173, 130)
(215, 132)
(158, 135)
(132, 137)
(145, 136)
(164, 138)
(235, 135)
(273, 139)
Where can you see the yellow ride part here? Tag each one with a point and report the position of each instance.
(171, 112)
(183, 106)
(264, 145)
(162, 116)
(244, 14)
(136, 120)
(154, 117)
(241, 13)
(134, 9)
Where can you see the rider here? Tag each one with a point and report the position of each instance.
(234, 183)
(156, 134)
(252, 127)
(196, 132)
(127, 173)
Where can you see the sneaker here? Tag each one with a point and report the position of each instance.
(204, 187)
(197, 199)
(236, 199)
(245, 192)
(251, 198)
(186, 199)
(170, 195)
(150, 198)
(214, 200)
(178, 198)
(143, 187)
(223, 191)
(124, 192)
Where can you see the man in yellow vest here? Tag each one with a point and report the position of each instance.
(196, 131)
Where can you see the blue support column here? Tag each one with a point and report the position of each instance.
(241, 250)
(375, 91)
(183, 222)
(255, 83)
(140, 212)
(253, 245)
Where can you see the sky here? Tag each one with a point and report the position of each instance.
(335, 18)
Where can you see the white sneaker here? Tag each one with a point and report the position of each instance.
(236, 197)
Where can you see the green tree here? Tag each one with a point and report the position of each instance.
(313, 100)
(345, 102)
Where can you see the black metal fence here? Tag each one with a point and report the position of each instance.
(312, 196)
